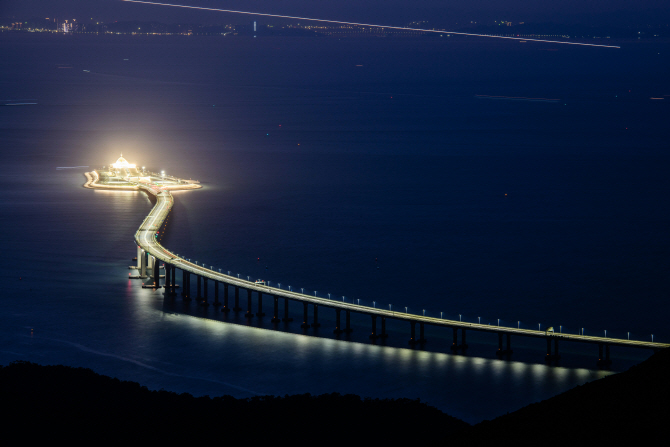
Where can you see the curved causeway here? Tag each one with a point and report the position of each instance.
(150, 251)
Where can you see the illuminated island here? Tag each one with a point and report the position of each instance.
(127, 176)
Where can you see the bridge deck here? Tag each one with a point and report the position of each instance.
(145, 238)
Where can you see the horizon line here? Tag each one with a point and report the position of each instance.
(368, 24)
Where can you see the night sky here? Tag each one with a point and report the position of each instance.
(392, 12)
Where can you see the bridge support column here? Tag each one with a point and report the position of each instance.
(198, 297)
(373, 334)
(260, 312)
(316, 316)
(216, 293)
(464, 344)
(604, 360)
(557, 356)
(156, 273)
(275, 313)
(305, 323)
(249, 313)
(204, 298)
(500, 350)
(225, 298)
(139, 257)
(237, 307)
(286, 318)
(143, 264)
(184, 281)
(508, 350)
(383, 334)
(412, 338)
(173, 285)
(168, 277)
(338, 328)
(454, 343)
(422, 339)
(548, 357)
(187, 285)
(347, 322)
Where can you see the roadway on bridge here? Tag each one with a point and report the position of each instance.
(146, 239)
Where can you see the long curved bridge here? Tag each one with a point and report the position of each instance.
(150, 251)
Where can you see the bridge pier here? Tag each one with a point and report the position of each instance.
(549, 357)
(156, 273)
(604, 360)
(508, 349)
(168, 278)
(383, 334)
(184, 281)
(275, 313)
(305, 323)
(139, 257)
(338, 329)
(373, 335)
(260, 312)
(464, 343)
(225, 298)
(143, 264)
(422, 339)
(500, 350)
(286, 318)
(249, 313)
(316, 316)
(198, 296)
(454, 343)
(347, 318)
(173, 285)
(204, 298)
(237, 307)
(412, 338)
(216, 293)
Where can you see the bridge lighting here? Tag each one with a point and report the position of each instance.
(459, 317)
(268, 283)
(424, 312)
(315, 293)
(238, 275)
(279, 285)
(605, 333)
(582, 332)
(359, 301)
(343, 298)
(219, 270)
(538, 327)
(302, 290)
(248, 278)
(629, 336)
(374, 304)
(560, 329)
(479, 319)
(652, 338)
(390, 308)
(498, 321)
(329, 296)
(518, 324)
(441, 315)
(289, 288)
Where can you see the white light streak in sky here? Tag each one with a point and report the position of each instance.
(370, 25)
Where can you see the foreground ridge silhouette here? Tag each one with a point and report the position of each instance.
(48, 402)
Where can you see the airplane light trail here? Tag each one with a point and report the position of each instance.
(368, 24)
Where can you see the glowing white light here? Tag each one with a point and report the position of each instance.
(367, 24)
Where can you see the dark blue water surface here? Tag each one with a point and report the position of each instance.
(363, 168)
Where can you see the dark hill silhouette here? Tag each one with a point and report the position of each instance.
(59, 402)
(630, 408)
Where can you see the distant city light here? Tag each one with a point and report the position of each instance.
(367, 24)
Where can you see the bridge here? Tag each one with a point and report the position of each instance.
(150, 252)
